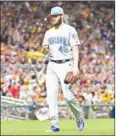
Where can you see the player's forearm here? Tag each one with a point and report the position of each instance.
(75, 56)
(44, 48)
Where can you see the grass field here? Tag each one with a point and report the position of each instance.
(68, 127)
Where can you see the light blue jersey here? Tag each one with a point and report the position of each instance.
(60, 42)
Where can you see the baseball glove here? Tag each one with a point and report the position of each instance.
(70, 79)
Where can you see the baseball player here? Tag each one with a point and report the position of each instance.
(62, 43)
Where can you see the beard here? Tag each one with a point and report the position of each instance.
(56, 24)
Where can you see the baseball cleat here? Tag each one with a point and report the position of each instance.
(80, 124)
(53, 129)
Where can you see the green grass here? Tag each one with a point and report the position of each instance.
(68, 127)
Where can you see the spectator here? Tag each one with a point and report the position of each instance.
(22, 30)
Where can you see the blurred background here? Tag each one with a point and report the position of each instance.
(23, 66)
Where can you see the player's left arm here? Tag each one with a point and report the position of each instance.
(74, 41)
(75, 52)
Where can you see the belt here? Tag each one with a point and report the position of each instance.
(61, 61)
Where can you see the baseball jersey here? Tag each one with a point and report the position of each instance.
(60, 41)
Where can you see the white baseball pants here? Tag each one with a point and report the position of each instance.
(55, 74)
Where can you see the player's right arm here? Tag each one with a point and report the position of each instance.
(45, 45)
(44, 48)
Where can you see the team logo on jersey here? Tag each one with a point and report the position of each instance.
(74, 36)
(58, 40)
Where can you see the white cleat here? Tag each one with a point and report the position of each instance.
(53, 129)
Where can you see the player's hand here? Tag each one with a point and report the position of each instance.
(72, 77)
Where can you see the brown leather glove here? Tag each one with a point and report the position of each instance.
(70, 79)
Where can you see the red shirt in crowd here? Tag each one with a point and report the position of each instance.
(14, 91)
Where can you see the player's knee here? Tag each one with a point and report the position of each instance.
(51, 95)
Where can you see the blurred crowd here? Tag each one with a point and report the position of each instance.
(23, 65)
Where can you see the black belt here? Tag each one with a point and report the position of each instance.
(61, 61)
